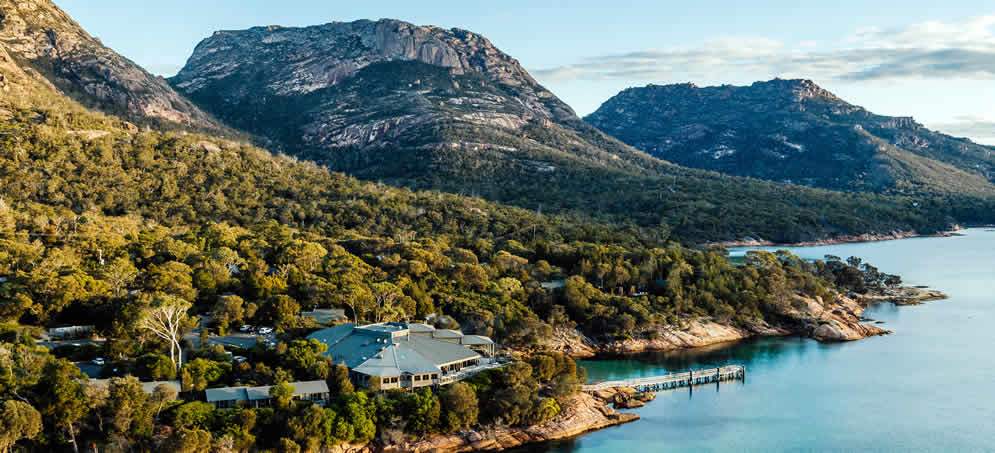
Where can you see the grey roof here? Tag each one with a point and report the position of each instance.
(351, 349)
(441, 352)
(447, 333)
(397, 359)
(305, 387)
(262, 392)
(386, 329)
(417, 327)
(475, 340)
(226, 394)
(391, 349)
(555, 284)
(333, 335)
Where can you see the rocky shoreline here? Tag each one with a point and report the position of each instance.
(581, 413)
(902, 296)
(837, 320)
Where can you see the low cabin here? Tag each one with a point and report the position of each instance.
(227, 397)
(553, 285)
(70, 332)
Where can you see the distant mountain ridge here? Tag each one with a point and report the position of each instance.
(794, 131)
(53, 47)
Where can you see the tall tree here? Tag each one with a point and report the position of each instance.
(384, 296)
(165, 318)
(119, 274)
(63, 402)
(459, 402)
(18, 420)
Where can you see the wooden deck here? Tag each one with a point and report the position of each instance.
(674, 380)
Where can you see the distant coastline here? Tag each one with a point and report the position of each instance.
(847, 239)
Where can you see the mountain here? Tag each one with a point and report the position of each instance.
(794, 131)
(55, 49)
(432, 108)
(349, 94)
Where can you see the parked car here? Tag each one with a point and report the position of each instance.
(265, 330)
(98, 361)
(240, 359)
(245, 328)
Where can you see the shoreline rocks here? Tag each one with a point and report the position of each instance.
(581, 413)
(838, 320)
(903, 296)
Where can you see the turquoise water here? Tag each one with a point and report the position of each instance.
(927, 387)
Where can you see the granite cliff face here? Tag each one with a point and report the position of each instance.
(794, 131)
(839, 319)
(48, 43)
(361, 84)
(297, 61)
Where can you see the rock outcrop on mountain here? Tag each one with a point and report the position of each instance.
(341, 93)
(46, 41)
(361, 84)
(304, 60)
(794, 131)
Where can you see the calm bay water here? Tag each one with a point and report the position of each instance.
(930, 386)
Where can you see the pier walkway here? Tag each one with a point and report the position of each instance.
(674, 380)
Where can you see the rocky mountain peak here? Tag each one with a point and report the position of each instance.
(55, 48)
(798, 90)
(302, 60)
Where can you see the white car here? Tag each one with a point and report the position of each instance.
(266, 330)
(245, 328)
(98, 361)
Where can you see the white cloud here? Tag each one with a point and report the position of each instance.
(978, 128)
(930, 50)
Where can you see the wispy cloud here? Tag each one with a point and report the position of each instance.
(980, 129)
(964, 49)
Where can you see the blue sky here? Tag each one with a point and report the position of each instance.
(932, 60)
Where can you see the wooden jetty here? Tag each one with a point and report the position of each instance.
(674, 380)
